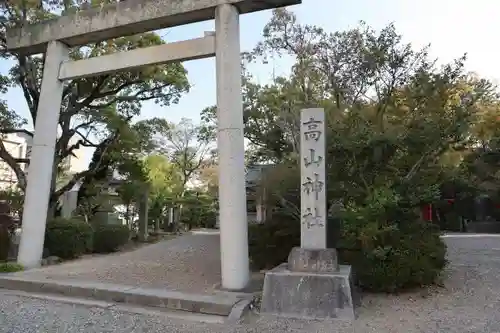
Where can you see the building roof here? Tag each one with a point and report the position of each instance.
(254, 173)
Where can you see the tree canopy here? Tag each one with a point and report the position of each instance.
(396, 119)
(96, 112)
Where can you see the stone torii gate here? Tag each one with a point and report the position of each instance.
(56, 37)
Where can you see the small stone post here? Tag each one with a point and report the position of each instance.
(70, 201)
(170, 216)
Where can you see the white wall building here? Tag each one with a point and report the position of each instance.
(19, 146)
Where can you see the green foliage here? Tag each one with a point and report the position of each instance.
(393, 117)
(10, 267)
(68, 238)
(271, 242)
(15, 199)
(96, 112)
(162, 175)
(481, 165)
(388, 246)
(185, 149)
(165, 184)
(199, 210)
(397, 128)
(109, 238)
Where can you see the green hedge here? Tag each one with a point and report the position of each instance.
(395, 257)
(109, 238)
(68, 238)
(10, 267)
(385, 258)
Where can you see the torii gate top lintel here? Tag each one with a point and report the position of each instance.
(122, 19)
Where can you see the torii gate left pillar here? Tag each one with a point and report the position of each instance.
(129, 17)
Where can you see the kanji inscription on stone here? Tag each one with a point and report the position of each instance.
(313, 193)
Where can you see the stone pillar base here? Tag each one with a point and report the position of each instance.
(310, 286)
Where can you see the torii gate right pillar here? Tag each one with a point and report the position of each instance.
(230, 142)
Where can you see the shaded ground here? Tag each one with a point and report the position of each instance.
(133, 245)
(470, 301)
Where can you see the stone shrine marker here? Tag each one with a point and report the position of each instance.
(312, 172)
(311, 285)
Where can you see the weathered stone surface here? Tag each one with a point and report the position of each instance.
(306, 295)
(52, 260)
(313, 179)
(313, 260)
(124, 18)
(214, 304)
(198, 48)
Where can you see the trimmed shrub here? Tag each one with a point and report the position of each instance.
(392, 258)
(385, 257)
(198, 212)
(10, 267)
(110, 237)
(67, 238)
(88, 240)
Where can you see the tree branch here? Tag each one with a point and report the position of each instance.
(80, 175)
(13, 130)
(12, 163)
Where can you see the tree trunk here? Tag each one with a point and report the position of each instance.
(157, 225)
(51, 211)
(143, 218)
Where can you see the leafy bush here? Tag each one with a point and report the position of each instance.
(198, 211)
(270, 243)
(389, 248)
(89, 241)
(68, 238)
(393, 257)
(10, 267)
(110, 237)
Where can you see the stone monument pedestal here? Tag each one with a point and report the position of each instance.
(310, 286)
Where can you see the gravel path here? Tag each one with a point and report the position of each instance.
(470, 302)
(186, 263)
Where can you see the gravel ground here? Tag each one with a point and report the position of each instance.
(469, 302)
(186, 263)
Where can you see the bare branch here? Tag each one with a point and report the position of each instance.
(13, 130)
(12, 163)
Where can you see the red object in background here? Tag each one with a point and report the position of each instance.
(427, 212)
(450, 201)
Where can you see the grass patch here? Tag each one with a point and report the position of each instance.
(10, 267)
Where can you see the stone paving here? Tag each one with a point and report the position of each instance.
(469, 302)
(188, 263)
